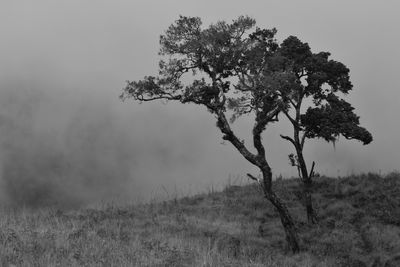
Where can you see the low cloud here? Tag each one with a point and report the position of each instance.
(64, 161)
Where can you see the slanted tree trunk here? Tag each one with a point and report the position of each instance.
(260, 161)
(287, 222)
(286, 219)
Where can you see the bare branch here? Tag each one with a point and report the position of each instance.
(292, 102)
(258, 180)
(312, 170)
(288, 139)
(143, 99)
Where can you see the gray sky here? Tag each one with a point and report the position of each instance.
(76, 55)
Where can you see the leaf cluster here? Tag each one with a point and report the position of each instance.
(332, 119)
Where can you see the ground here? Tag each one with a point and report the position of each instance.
(359, 225)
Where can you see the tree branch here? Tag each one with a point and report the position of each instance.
(288, 139)
(255, 179)
(243, 78)
(293, 121)
(303, 139)
(223, 125)
(292, 102)
(261, 121)
(312, 170)
(180, 71)
(142, 98)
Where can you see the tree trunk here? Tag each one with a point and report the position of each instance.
(286, 219)
(307, 184)
(260, 161)
(308, 203)
(287, 222)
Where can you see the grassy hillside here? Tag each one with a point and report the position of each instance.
(359, 226)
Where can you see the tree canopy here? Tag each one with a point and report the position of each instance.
(322, 79)
(251, 72)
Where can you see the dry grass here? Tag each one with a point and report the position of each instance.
(359, 226)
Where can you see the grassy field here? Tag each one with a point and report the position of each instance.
(359, 226)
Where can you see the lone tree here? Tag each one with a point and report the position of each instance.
(234, 72)
(317, 83)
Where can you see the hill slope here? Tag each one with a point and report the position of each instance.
(359, 226)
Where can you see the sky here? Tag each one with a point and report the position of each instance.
(66, 135)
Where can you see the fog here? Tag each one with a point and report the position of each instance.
(68, 140)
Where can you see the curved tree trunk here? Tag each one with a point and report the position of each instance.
(260, 161)
(286, 220)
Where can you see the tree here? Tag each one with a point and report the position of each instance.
(234, 72)
(317, 84)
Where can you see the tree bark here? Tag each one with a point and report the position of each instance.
(286, 220)
(307, 187)
(308, 202)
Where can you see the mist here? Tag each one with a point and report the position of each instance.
(67, 140)
(69, 148)
(62, 160)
